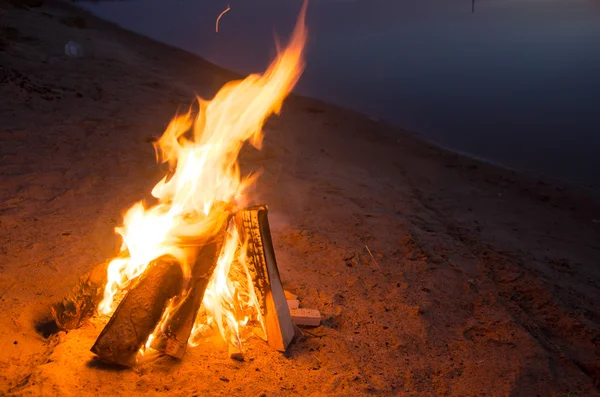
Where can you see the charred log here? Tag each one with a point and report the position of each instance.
(174, 337)
(139, 312)
(81, 302)
(253, 226)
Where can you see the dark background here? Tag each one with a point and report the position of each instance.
(516, 82)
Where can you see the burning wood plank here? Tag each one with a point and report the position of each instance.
(253, 225)
(83, 299)
(173, 340)
(139, 312)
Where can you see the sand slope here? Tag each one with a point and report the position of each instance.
(488, 279)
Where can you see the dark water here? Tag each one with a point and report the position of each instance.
(517, 82)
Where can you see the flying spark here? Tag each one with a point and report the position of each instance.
(219, 17)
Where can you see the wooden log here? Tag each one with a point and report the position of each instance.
(139, 312)
(81, 302)
(253, 225)
(174, 337)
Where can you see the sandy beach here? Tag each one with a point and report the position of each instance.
(483, 281)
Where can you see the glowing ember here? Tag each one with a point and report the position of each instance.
(219, 18)
(201, 150)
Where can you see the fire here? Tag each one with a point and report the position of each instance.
(229, 302)
(201, 149)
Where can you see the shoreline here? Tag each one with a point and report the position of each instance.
(398, 133)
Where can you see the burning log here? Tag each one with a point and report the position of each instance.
(253, 225)
(83, 299)
(173, 339)
(139, 312)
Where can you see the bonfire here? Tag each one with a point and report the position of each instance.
(200, 258)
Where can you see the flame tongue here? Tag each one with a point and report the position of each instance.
(201, 150)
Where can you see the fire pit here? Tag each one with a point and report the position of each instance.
(199, 259)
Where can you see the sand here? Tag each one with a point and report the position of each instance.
(486, 282)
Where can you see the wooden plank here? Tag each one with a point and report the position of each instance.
(303, 316)
(139, 312)
(253, 225)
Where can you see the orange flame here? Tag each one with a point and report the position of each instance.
(202, 151)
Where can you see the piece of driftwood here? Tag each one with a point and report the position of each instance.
(174, 337)
(253, 225)
(310, 317)
(139, 312)
(81, 302)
